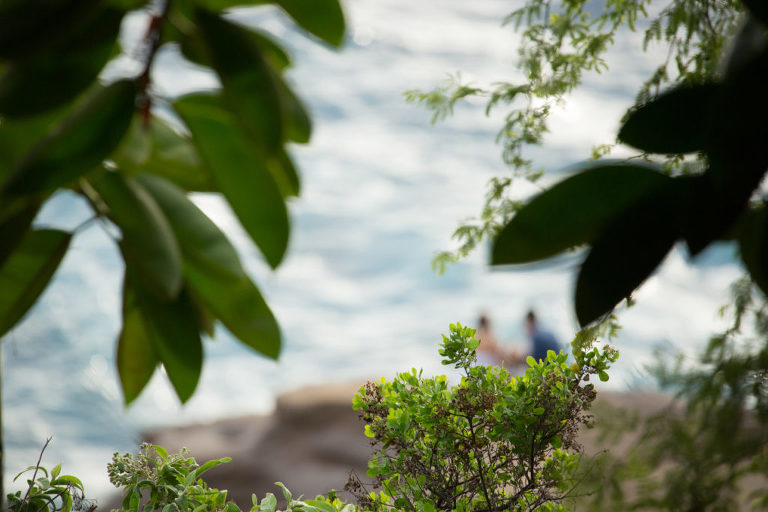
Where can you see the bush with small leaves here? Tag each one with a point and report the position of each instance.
(329, 503)
(493, 442)
(153, 480)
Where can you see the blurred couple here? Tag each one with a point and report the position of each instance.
(490, 352)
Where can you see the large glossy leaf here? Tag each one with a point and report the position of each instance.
(297, 123)
(573, 212)
(173, 331)
(147, 238)
(27, 271)
(678, 121)
(136, 357)
(739, 134)
(78, 144)
(248, 82)
(323, 18)
(18, 136)
(159, 148)
(285, 174)
(212, 269)
(627, 251)
(239, 172)
(72, 65)
(174, 157)
(737, 155)
(753, 246)
(193, 49)
(14, 228)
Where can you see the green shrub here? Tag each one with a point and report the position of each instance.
(492, 442)
(168, 483)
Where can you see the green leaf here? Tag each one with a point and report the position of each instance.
(213, 270)
(322, 18)
(27, 272)
(157, 147)
(248, 84)
(211, 464)
(603, 376)
(148, 240)
(538, 411)
(737, 155)
(231, 507)
(133, 151)
(13, 229)
(269, 503)
(286, 493)
(285, 174)
(55, 471)
(322, 505)
(753, 246)
(18, 136)
(678, 121)
(136, 357)
(193, 49)
(627, 251)
(174, 335)
(73, 64)
(298, 125)
(69, 480)
(78, 144)
(241, 175)
(573, 212)
(68, 502)
(174, 157)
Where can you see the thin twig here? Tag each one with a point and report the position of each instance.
(37, 468)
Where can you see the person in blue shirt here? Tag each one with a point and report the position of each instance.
(541, 340)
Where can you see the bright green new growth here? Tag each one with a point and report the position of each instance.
(153, 480)
(49, 491)
(493, 442)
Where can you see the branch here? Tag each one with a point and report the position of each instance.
(37, 468)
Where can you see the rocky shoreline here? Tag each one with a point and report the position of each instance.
(313, 441)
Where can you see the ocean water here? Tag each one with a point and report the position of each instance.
(355, 297)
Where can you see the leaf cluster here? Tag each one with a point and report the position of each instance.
(49, 491)
(560, 43)
(493, 442)
(329, 503)
(64, 129)
(153, 480)
(631, 215)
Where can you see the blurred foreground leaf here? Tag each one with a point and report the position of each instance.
(27, 271)
(238, 170)
(214, 272)
(573, 212)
